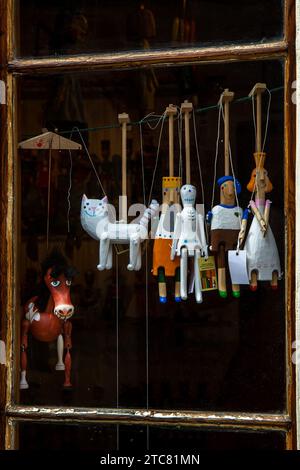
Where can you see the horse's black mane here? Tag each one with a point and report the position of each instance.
(59, 265)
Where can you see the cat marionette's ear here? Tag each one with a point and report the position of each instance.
(104, 200)
(84, 198)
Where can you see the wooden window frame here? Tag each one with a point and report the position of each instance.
(11, 68)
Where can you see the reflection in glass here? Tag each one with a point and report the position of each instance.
(65, 27)
(104, 438)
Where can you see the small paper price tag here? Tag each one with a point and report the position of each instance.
(237, 261)
(208, 273)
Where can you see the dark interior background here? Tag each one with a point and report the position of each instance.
(220, 355)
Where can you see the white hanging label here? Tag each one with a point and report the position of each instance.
(2, 353)
(237, 261)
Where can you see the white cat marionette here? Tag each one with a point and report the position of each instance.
(189, 240)
(95, 221)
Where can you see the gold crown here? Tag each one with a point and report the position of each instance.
(260, 158)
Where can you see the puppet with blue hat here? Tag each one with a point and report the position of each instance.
(226, 220)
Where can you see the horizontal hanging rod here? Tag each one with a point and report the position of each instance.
(260, 421)
(129, 60)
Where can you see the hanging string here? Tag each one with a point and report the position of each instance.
(49, 193)
(268, 119)
(179, 127)
(69, 190)
(90, 158)
(162, 120)
(146, 281)
(200, 170)
(117, 341)
(220, 106)
(255, 186)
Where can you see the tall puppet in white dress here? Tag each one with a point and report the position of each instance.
(263, 261)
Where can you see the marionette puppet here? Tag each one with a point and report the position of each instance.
(95, 220)
(163, 265)
(227, 220)
(47, 315)
(189, 239)
(263, 261)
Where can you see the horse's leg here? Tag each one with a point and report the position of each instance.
(198, 290)
(183, 273)
(60, 352)
(103, 251)
(24, 346)
(68, 346)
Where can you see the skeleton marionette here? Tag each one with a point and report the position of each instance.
(189, 239)
(95, 220)
(227, 220)
(163, 265)
(262, 254)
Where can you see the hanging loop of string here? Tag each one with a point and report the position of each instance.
(255, 186)
(220, 106)
(49, 193)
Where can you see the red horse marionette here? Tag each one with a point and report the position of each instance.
(47, 315)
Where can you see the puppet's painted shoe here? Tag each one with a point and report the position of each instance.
(177, 299)
(274, 286)
(163, 300)
(236, 294)
(253, 287)
(223, 294)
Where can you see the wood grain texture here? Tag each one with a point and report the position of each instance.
(3, 186)
(290, 213)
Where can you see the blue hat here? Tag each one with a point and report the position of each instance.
(238, 186)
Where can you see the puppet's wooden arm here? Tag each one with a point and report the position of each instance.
(242, 233)
(202, 237)
(177, 231)
(258, 216)
(267, 213)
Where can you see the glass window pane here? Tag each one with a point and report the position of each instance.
(104, 438)
(64, 27)
(225, 354)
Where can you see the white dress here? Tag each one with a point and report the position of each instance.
(262, 252)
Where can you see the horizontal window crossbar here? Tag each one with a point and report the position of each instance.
(225, 53)
(263, 421)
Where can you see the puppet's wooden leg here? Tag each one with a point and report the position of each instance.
(109, 257)
(24, 345)
(68, 346)
(60, 352)
(236, 290)
(183, 273)
(138, 263)
(274, 282)
(198, 290)
(222, 272)
(103, 251)
(177, 285)
(134, 243)
(162, 287)
(253, 281)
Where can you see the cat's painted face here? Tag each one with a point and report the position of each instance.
(93, 207)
